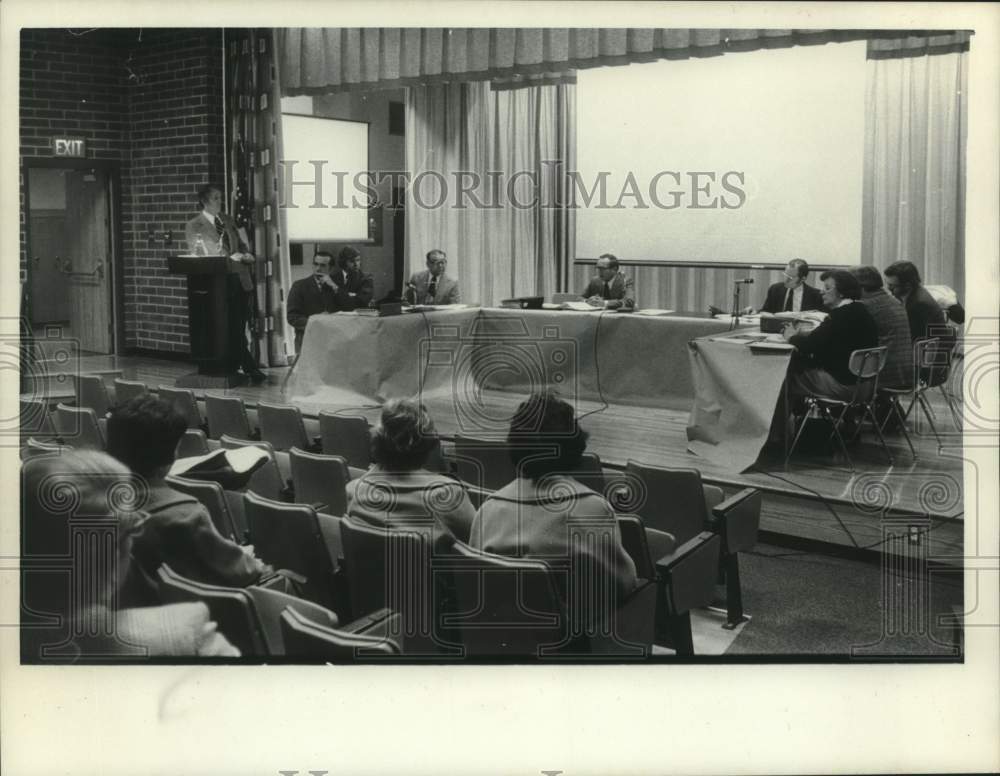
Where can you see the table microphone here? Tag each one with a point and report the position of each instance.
(747, 281)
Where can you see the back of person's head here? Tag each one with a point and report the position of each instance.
(405, 436)
(545, 437)
(84, 484)
(905, 272)
(610, 259)
(143, 434)
(846, 284)
(799, 266)
(868, 277)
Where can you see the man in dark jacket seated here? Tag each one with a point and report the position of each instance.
(793, 294)
(143, 434)
(309, 296)
(926, 317)
(827, 349)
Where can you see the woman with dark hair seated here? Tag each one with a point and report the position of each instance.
(86, 506)
(546, 514)
(397, 491)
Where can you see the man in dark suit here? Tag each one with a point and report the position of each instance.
(826, 350)
(432, 285)
(354, 288)
(610, 288)
(309, 296)
(214, 233)
(793, 294)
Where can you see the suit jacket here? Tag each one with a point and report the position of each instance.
(829, 346)
(445, 293)
(305, 299)
(893, 332)
(200, 227)
(359, 284)
(619, 290)
(812, 298)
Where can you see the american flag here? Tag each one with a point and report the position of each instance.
(241, 149)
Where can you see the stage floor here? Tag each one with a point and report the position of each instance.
(815, 498)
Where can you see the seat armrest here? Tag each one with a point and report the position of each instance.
(377, 624)
(738, 519)
(691, 546)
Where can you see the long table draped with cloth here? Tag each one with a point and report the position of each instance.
(350, 359)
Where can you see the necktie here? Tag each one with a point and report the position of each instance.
(607, 290)
(788, 300)
(220, 229)
(432, 290)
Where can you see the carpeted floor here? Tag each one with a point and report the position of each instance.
(807, 604)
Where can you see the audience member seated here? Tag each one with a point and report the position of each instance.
(95, 486)
(610, 288)
(893, 328)
(827, 348)
(143, 434)
(397, 491)
(546, 514)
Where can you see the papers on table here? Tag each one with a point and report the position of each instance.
(652, 311)
(423, 308)
(749, 320)
(582, 307)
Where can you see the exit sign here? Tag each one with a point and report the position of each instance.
(69, 146)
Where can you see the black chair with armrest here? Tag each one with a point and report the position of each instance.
(737, 521)
(365, 638)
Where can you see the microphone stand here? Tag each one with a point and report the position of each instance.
(736, 306)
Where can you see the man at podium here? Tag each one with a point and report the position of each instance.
(214, 233)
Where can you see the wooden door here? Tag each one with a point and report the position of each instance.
(88, 247)
(46, 255)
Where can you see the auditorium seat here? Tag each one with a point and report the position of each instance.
(213, 497)
(126, 390)
(288, 536)
(283, 427)
(483, 463)
(736, 520)
(270, 604)
(369, 637)
(319, 480)
(685, 579)
(674, 501)
(865, 364)
(78, 426)
(36, 420)
(33, 448)
(391, 568)
(192, 443)
(93, 393)
(348, 436)
(227, 415)
(185, 403)
(512, 608)
(269, 480)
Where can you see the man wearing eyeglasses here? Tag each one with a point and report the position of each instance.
(317, 293)
(432, 285)
(793, 295)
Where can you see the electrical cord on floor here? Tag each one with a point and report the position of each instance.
(597, 370)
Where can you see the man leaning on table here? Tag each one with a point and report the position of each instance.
(610, 288)
(432, 285)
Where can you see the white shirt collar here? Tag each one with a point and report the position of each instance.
(208, 217)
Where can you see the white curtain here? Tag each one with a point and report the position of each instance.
(486, 178)
(914, 185)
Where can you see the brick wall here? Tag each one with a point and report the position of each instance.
(163, 126)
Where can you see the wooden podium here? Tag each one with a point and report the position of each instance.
(208, 320)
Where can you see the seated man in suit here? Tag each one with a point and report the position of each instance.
(827, 348)
(925, 315)
(309, 296)
(892, 325)
(143, 434)
(610, 288)
(214, 233)
(793, 294)
(432, 286)
(354, 288)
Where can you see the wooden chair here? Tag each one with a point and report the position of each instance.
(320, 480)
(865, 365)
(185, 403)
(213, 497)
(227, 416)
(78, 426)
(685, 579)
(93, 393)
(288, 536)
(306, 639)
(283, 427)
(126, 390)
